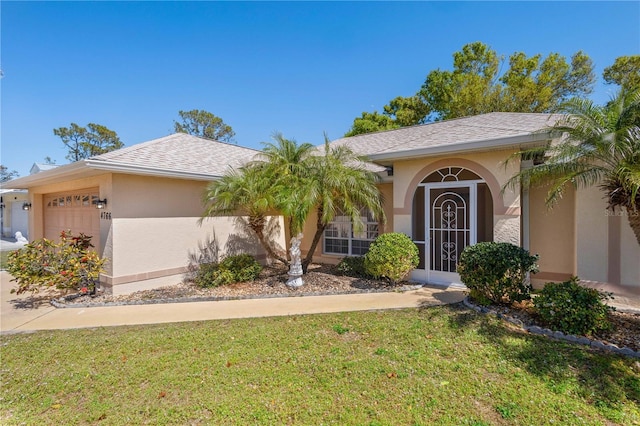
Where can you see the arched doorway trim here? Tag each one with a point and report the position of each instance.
(498, 204)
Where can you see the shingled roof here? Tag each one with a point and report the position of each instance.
(486, 131)
(181, 152)
(179, 156)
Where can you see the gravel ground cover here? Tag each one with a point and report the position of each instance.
(325, 279)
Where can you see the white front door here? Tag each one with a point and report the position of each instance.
(451, 222)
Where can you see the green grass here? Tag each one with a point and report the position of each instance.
(443, 366)
(4, 256)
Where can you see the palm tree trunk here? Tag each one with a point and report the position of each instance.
(320, 226)
(257, 225)
(634, 221)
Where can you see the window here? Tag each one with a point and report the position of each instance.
(340, 238)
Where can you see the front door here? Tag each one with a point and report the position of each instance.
(450, 209)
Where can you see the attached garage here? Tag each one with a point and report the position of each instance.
(150, 223)
(73, 211)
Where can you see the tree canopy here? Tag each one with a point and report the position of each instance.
(6, 175)
(624, 72)
(477, 85)
(85, 142)
(203, 124)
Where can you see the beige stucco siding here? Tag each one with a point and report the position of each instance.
(607, 250)
(145, 196)
(154, 225)
(151, 224)
(630, 255)
(145, 248)
(488, 165)
(591, 235)
(386, 189)
(552, 235)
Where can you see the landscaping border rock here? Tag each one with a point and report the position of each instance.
(534, 329)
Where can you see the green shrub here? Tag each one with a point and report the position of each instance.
(232, 269)
(66, 265)
(353, 267)
(392, 256)
(572, 308)
(496, 272)
(244, 267)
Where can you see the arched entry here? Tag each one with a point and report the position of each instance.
(452, 208)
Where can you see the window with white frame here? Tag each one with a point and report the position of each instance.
(341, 238)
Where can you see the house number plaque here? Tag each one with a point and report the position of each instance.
(105, 215)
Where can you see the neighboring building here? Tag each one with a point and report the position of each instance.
(41, 167)
(443, 184)
(445, 191)
(152, 198)
(13, 217)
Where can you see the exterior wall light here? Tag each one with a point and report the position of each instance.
(26, 206)
(101, 204)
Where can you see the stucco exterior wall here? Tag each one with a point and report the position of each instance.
(552, 235)
(488, 165)
(154, 225)
(150, 225)
(147, 248)
(144, 196)
(630, 256)
(592, 235)
(607, 250)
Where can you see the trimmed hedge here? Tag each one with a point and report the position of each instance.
(497, 272)
(572, 308)
(232, 269)
(391, 256)
(353, 266)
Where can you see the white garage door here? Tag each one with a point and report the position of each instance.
(73, 211)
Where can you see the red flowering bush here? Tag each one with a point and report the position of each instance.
(67, 265)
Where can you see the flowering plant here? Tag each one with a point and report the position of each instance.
(67, 265)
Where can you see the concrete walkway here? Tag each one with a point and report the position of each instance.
(16, 315)
(29, 313)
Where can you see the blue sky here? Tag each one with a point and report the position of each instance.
(301, 68)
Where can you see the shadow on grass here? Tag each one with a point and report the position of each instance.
(601, 379)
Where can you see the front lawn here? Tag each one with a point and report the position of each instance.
(444, 365)
(4, 256)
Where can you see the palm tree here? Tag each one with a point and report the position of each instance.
(339, 181)
(286, 165)
(248, 192)
(295, 180)
(600, 146)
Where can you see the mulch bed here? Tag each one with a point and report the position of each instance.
(322, 280)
